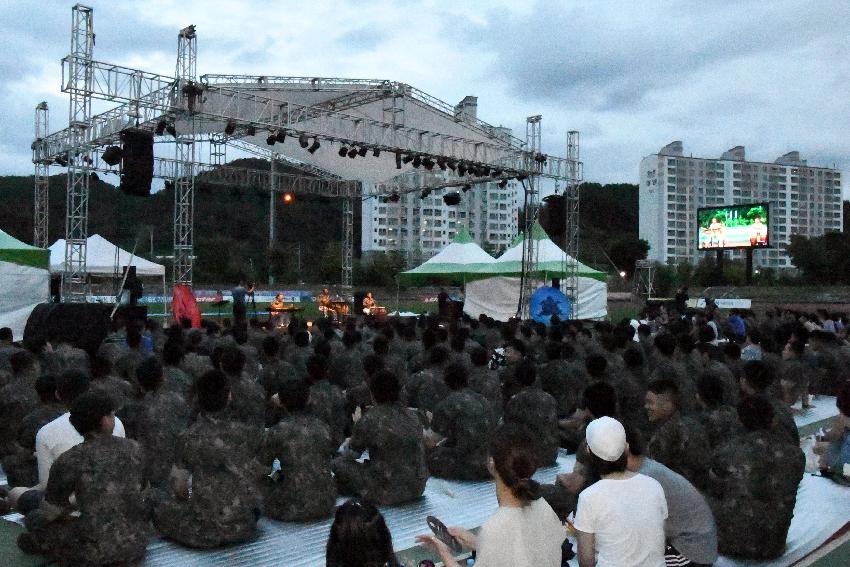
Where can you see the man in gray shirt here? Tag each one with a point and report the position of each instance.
(690, 528)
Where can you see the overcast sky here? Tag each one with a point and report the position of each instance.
(631, 76)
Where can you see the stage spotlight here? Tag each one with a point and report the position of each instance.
(343, 151)
(417, 161)
(428, 163)
(408, 158)
(61, 161)
(497, 173)
(314, 146)
(424, 193)
(398, 160)
(271, 139)
(352, 153)
(485, 172)
(394, 197)
(441, 163)
(303, 141)
(362, 151)
(451, 199)
(521, 177)
(288, 198)
(461, 169)
(230, 128)
(466, 188)
(112, 155)
(160, 128)
(540, 158)
(280, 136)
(503, 183)
(376, 152)
(452, 164)
(171, 129)
(250, 130)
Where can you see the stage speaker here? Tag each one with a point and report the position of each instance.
(84, 325)
(137, 171)
(358, 303)
(552, 216)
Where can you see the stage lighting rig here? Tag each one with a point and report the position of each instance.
(343, 151)
(60, 160)
(452, 164)
(230, 128)
(314, 146)
(394, 197)
(398, 160)
(171, 129)
(466, 188)
(503, 183)
(451, 199)
(250, 130)
(362, 151)
(303, 141)
(376, 152)
(428, 163)
(424, 193)
(417, 161)
(441, 163)
(288, 198)
(461, 169)
(408, 158)
(352, 153)
(280, 136)
(270, 140)
(160, 127)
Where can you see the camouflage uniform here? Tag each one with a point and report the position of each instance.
(177, 380)
(346, 370)
(684, 379)
(163, 417)
(249, 402)
(426, 389)
(119, 391)
(17, 399)
(105, 476)
(485, 381)
(65, 357)
(721, 425)
(395, 471)
(681, 444)
(20, 465)
(304, 489)
(465, 420)
(538, 411)
(784, 423)
(753, 495)
(563, 381)
(327, 403)
(126, 365)
(223, 503)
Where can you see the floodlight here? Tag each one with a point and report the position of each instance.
(428, 163)
(230, 128)
(250, 130)
(280, 136)
(466, 188)
(461, 169)
(441, 163)
(343, 151)
(394, 197)
(303, 140)
(171, 129)
(271, 139)
(424, 193)
(352, 153)
(451, 199)
(160, 128)
(376, 152)
(408, 158)
(288, 198)
(362, 151)
(417, 161)
(314, 146)
(452, 164)
(503, 183)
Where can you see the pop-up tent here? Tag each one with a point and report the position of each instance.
(101, 260)
(24, 282)
(495, 288)
(456, 263)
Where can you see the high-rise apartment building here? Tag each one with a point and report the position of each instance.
(803, 199)
(422, 227)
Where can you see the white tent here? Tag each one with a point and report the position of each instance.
(24, 282)
(495, 292)
(100, 259)
(456, 262)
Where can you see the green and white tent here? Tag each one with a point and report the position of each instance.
(24, 281)
(456, 263)
(494, 289)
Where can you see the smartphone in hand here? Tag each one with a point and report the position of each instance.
(442, 533)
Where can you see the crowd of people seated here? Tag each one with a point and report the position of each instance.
(683, 430)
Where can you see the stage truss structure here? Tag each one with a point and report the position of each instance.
(282, 119)
(644, 279)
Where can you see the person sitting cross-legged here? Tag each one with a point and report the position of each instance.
(214, 500)
(395, 471)
(303, 489)
(105, 523)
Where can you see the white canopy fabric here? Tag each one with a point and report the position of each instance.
(497, 297)
(456, 262)
(24, 282)
(100, 259)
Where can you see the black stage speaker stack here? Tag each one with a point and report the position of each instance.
(83, 325)
(137, 170)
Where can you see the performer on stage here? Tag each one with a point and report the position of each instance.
(325, 307)
(277, 304)
(368, 303)
(239, 308)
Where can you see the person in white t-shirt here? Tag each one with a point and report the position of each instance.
(524, 531)
(620, 518)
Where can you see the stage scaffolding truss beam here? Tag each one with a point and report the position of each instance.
(42, 174)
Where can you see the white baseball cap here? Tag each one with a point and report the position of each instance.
(606, 438)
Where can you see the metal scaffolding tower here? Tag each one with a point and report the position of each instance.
(347, 241)
(184, 156)
(571, 220)
(644, 279)
(530, 246)
(79, 61)
(42, 174)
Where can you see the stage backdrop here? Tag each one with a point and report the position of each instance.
(497, 298)
(24, 282)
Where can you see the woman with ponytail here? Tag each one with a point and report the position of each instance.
(524, 531)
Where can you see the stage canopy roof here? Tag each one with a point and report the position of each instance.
(14, 251)
(455, 263)
(550, 260)
(100, 259)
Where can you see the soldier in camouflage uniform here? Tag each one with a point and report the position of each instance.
(20, 465)
(176, 379)
(758, 380)
(327, 402)
(214, 497)
(677, 441)
(396, 471)
(562, 380)
(536, 410)
(754, 492)
(720, 420)
(17, 398)
(119, 389)
(426, 389)
(303, 489)
(163, 416)
(249, 400)
(464, 421)
(104, 473)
